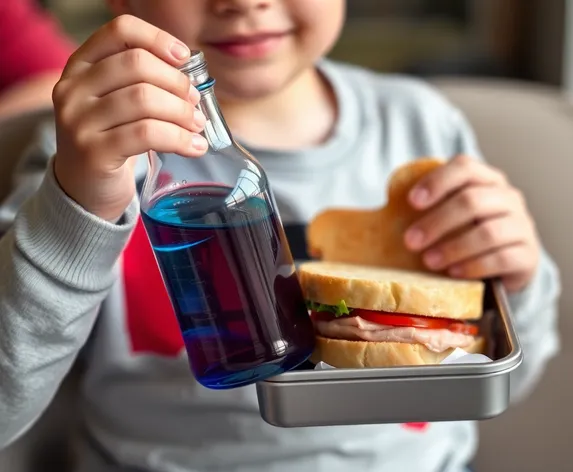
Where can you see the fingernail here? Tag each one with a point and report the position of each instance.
(199, 142)
(433, 259)
(419, 196)
(414, 238)
(180, 51)
(456, 271)
(194, 94)
(199, 119)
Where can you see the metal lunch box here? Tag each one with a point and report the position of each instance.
(430, 393)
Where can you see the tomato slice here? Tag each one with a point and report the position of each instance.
(465, 328)
(392, 319)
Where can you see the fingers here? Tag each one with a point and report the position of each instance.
(476, 225)
(473, 203)
(141, 86)
(505, 261)
(458, 173)
(123, 33)
(141, 101)
(136, 66)
(489, 235)
(140, 136)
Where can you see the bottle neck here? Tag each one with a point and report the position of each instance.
(216, 130)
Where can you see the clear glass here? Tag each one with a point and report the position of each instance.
(223, 254)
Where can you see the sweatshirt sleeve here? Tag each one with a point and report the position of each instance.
(58, 263)
(535, 309)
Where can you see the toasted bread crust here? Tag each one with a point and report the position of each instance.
(376, 237)
(391, 290)
(356, 354)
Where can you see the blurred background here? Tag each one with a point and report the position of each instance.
(509, 65)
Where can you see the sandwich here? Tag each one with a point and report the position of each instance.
(373, 302)
(375, 317)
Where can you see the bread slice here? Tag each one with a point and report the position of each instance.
(356, 354)
(373, 237)
(391, 290)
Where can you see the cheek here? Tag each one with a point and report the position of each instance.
(320, 22)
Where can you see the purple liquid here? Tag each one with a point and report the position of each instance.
(230, 276)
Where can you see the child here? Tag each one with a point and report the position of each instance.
(328, 134)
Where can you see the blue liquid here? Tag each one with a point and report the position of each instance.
(231, 280)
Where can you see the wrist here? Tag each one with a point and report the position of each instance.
(106, 198)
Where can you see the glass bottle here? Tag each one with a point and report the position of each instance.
(224, 257)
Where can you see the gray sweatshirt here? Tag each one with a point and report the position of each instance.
(69, 278)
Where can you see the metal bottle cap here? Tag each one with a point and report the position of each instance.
(196, 68)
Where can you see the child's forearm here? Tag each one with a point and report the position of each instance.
(57, 264)
(535, 314)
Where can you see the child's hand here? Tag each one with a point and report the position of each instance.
(121, 95)
(478, 225)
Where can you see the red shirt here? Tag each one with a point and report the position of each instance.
(30, 42)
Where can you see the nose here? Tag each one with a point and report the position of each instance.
(238, 7)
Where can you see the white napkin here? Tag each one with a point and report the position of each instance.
(459, 356)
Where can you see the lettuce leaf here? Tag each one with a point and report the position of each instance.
(340, 309)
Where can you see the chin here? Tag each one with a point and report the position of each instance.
(243, 92)
(253, 83)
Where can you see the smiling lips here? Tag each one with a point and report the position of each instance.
(250, 47)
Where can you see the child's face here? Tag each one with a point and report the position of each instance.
(254, 47)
